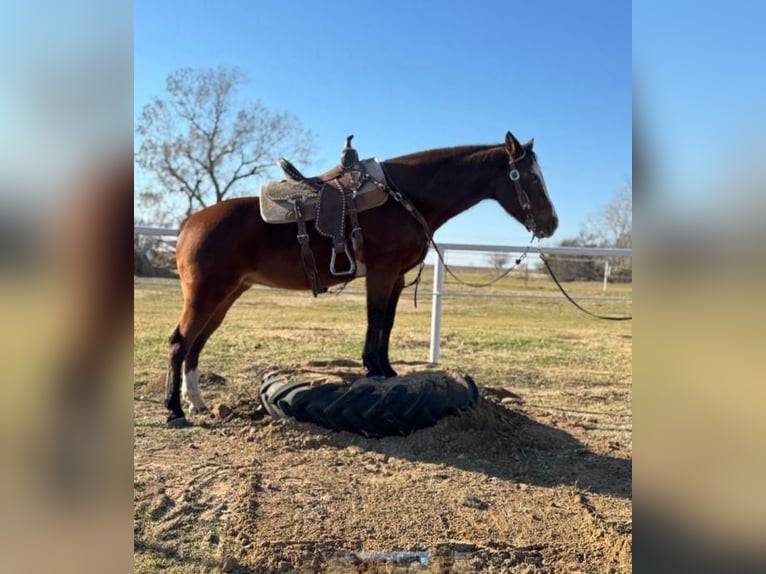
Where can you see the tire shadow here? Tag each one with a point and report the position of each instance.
(495, 439)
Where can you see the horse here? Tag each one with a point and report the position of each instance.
(226, 248)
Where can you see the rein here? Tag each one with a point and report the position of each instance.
(399, 197)
(572, 301)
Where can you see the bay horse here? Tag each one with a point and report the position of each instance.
(226, 248)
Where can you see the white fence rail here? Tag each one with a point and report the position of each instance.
(158, 231)
(439, 272)
(437, 294)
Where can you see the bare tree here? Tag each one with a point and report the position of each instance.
(498, 261)
(610, 227)
(151, 208)
(580, 268)
(198, 142)
(613, 225)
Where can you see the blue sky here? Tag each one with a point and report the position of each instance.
(405, 76)
(700, 88)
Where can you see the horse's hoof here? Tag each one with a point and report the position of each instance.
(178, 422)
(203, 410)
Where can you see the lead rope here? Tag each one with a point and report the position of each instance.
(572, 301)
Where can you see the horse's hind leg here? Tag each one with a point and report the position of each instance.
(190, 391)
(176, 354)
(199, 307)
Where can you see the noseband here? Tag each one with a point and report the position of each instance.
(522, 196)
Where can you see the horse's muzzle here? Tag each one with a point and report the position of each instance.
(547, 229)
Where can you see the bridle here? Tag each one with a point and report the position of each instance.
(526, 205)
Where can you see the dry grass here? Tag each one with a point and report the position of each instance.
(546, 348)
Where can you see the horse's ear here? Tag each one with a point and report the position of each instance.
(512, 145)
(530, 144)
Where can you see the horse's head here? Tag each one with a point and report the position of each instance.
(522, 192)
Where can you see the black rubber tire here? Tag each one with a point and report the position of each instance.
(371, 407)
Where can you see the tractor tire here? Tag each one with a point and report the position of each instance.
(370, 406)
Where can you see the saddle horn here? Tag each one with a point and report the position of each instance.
(348, 157)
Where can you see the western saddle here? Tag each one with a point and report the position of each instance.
(341, 193)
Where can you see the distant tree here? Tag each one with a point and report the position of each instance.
(498, 261)
(610, 227)
(575, 267)
(152, 254)
(613, 227)
(151, 207)
(200, 143)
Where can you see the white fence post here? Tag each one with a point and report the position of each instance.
(606, 273)
(436, 311)
(526, 273)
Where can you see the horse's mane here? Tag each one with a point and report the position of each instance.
(447, 153)
(443, 153)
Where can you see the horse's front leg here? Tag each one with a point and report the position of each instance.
(388, 325)
(383, 290)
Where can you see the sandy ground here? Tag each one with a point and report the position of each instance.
(501, 488)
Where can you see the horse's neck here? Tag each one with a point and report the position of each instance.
(445, 188)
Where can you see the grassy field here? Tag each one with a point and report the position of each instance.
(556, 498)
(545, 346)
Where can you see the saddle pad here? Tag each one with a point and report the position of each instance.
(276, 196)
(287, 189)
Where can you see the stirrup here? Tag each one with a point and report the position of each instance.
(351, 260)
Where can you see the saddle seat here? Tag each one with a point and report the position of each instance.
(328, 200)
(278, 197)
